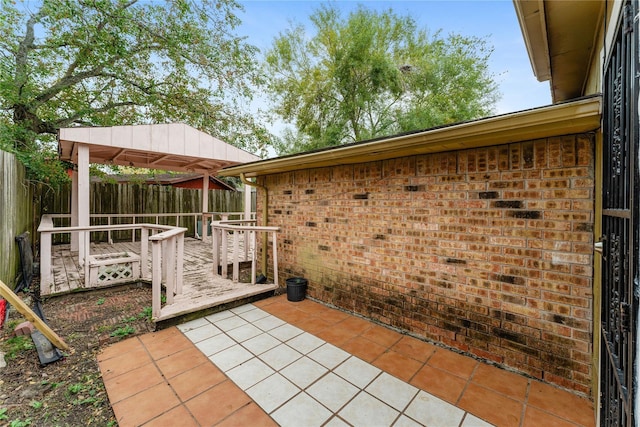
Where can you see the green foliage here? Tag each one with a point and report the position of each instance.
(76, 388)
(3, 414)
(36, 404)
(100, 301)
(16, 345)
(105, 63)
(19, 423)
(373, 74)
(123, 331)
(146, 313)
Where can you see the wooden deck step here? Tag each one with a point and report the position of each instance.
(191, 306)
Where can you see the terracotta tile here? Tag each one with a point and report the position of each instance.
(491, 406)
(454, 363)
(414, 348)
(534, 417)
(163, 348)
(354, 324)
(336, 336)
(181, 361)
(398, 365)
(334, 316)
(294, 316)
(217, 403)
(264, 302)
(363, 348)
(132, 382)
(561, 403)
(382, 336)
(439, 383)
(496, 379)
(178, 416)
(160, 335)
(119, 348)
(250, 415)
(196, 380)
(145, 406)
(124, 363)
(314, 325)
(313, 308)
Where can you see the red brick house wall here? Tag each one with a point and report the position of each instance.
(485, 250)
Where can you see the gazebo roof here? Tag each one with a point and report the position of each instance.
(174, 147)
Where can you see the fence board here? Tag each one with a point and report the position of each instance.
(134, 198)
(17, 213)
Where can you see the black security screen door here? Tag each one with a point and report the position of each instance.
(620, 225)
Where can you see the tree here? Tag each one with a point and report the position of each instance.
(373, 74)
(114, 62)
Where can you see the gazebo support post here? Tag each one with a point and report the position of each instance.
(83, 201)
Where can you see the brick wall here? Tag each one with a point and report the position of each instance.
(485, 250)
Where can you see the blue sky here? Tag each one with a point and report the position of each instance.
(494, 20)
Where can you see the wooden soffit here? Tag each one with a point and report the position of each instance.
(578, 116)
(561, 39)
(171, 147)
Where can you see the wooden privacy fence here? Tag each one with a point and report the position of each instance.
(17, 213)
(121, 202)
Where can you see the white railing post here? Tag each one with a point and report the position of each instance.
(225, 252)
(180, 264)
(236, 256)
(275, 258)
(169, 255)
(215, 232)
(253, 258)
(156, 281)
(46, 267)
(165, 267)
(144, 252)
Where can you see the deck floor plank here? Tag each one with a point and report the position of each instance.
(201, 288)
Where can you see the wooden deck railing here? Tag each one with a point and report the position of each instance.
(174, 218)
(166, 264)
(236, 231)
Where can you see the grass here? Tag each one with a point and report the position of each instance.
(16, 345)
(123, 331)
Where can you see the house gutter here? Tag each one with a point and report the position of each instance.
(265, 217)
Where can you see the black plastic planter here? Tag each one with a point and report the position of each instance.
(296, 289)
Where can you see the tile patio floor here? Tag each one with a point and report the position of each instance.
(276, 362)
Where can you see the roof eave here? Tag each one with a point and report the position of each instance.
(533, 25)
(578, 116)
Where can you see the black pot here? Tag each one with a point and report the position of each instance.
(296, 289)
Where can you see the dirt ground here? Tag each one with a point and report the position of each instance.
(70, 391)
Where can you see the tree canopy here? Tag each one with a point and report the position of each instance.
(115, 62)
(373, 74)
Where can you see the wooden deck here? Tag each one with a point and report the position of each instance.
(201, 290)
